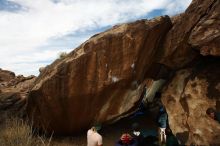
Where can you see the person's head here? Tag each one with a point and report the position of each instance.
(211, 112)
(135, 127)
(96, 127)
(126, 138)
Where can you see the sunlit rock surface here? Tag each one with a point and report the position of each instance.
(196, 29)
(100, 81)
(190, 93)
(104, 78)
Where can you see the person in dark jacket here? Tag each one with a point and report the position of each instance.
(162, 123)
(126, 140)
(171, 139)
(211, 112)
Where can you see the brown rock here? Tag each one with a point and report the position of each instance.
(100, 81)
(6, 76)
(9, 99)
(13, 93)
(205, 36)
(187, 98)
(177, 50)
(175, 19)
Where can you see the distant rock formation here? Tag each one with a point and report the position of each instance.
(13, 93)
(103, 79)
(6, 76)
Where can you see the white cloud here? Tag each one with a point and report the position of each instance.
(177, 6)
(25, 33)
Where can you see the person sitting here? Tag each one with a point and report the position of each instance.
(93, 137)
(171, 139)
(211, 112)
(137, 134)
(126, 140)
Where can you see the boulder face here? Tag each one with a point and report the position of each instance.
(100, 81)
(103, 79)
(193, 89)
(196, 29)
(190, 93)
(205, 36)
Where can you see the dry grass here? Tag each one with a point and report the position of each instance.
(16, 132)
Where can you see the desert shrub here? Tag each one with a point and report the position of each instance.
(41, 69)
(62, 55)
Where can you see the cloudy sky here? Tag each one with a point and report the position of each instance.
(33, 32)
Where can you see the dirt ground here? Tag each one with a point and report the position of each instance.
(113, 132)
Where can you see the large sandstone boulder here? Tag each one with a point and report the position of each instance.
(100, 81)
(103, 79)
(196, 29)
(187, 98)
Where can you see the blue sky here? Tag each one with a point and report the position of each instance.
(33, 32)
